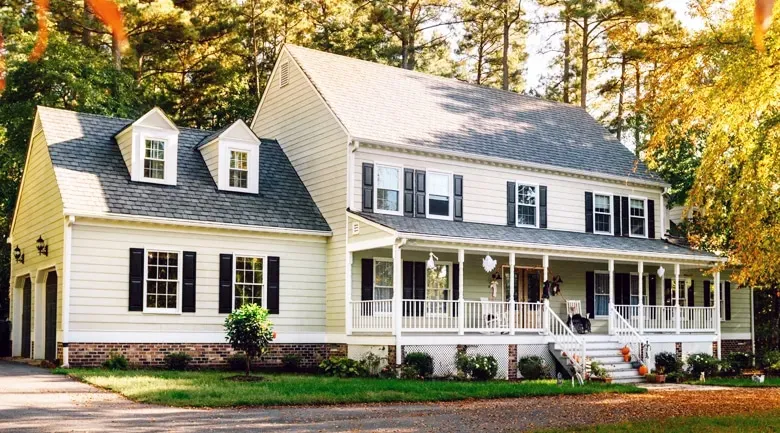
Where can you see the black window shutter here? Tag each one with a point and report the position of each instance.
(408, 286)
(273, 285)
(616, 216)
(419, 193)
(668, 292)
(367, 285)
(368, 187)
(511, 199)
(590, 293)
(455, 286)
(542, 207)
(408, 192)
(727, 299)
(691, 298)
(136, 279)
(225, 283)
(188, 282)
(651, 219)
(588, 212)
(419, 286)
(457, 193)
(651, 290)
(707, 294)
(625, 288)
(624, 216)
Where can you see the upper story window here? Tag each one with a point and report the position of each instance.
(439, 190)
(527, 205)
(239, 169)
(638, 217)
(602, 213)
(154, 158)
(162, 281)
(249, 281)
(388, 189)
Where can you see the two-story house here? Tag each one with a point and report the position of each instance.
(383, 211)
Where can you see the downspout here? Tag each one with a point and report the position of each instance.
(351, 147)
(752, 326)
(398, 313)
(663, 215)
(66, 264)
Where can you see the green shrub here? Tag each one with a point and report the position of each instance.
(771, 362)
(420, 361)
(250, 331)
(236, 362)
(389, 371)
(410, 372)
(736, 362)
(667, 362)
(291, 362)
(177, 360)
(116, 361)
(477, 367)
(597, 370)
(532, 367)
(699, 363)
(343, 367)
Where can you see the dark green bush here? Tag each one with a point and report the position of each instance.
(343, 367)
(736, 362)
(667, 362)
(477, 367)
(116, 361)
(420, 361)
(177, 360)
(532, 367)
(236, 362)
(291, 362)
(703, 363)
(771, 362)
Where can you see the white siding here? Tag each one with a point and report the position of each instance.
(100, 278)
(210, 155)
(316, 145)
(484, 188)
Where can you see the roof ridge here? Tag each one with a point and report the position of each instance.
(105, 116)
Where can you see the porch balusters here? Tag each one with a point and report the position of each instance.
(677, 298)
(641, 271)
(512, 312)
(461, 302)
(397, 296)
(716, 312)
(611, 319)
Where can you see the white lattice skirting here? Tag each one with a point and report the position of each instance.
(443, 358)
(540, 350)
(500, 352)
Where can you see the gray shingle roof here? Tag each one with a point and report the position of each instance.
(93, 178)
(392, 105)
(541, 237)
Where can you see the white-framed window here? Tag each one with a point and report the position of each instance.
(248, 280)
(602, 213)
(637, 213)
(635, 288)
(387, 194)
(383, 283)
(154, 158)
(722, 305)
(601, 294)
(527, 205)
(438, 287)
(439, 195)
(239, 169)
(684, 284)
(162, 281)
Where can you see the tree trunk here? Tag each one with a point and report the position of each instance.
(505, 57)
(248, 363)
(620, 98)
(411, 62)
(86, 35)
(116, 51)
(584, 72)
(567, 60)
(637, 125)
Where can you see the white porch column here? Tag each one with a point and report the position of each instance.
(546, 266)
(461, 302)
(348, 294)
(677, 298)
(512, 312)
(716, 316)
(611, 268)
(641, 270)
(397, 293)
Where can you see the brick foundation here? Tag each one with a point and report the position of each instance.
(512, 373)
(203, 354)
(730, 346)
(678, 350)
(391, 354)
(715, 349)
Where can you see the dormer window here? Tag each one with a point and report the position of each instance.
(154, 159)
(239, 169)
(149, 147)
(232, 155)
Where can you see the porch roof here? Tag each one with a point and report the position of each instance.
(533, 237)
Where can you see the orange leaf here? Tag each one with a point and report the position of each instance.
(43, 30)
(763, 17)
(108, 12)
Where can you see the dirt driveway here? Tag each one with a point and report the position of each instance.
(32, 399)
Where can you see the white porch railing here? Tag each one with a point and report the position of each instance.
(529, 316)
(571, 346)
(429, 316)
(486, 316)
(626, 334)
(659, 318)
(372, 316)
(697, 319)
(691, 319)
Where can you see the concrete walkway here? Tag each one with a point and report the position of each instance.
(32, 399)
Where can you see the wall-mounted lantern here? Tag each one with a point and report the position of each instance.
(43, 247)
(18, 256)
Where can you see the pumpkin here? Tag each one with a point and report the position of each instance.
(643, 370)
(625, 350)
(626, 358)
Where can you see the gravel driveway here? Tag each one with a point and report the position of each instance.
(32, 399)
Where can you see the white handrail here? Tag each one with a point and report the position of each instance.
(571, 346)
(628, 336)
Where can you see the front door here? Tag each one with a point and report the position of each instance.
(51, 316)
(533, 283)
(528, 287)
(26, 317)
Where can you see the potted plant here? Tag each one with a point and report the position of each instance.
(660, 376)
(598, 373)
(651, 378)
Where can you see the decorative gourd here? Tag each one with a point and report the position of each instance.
(643, 370)
(626, 358)
(625, 350)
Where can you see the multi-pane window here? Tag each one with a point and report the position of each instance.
(638, 217)
(383, 284)
(248, 283)
(154, 159)
(438, 188)
(526, 205)
(684, 284)
(388, 189)
(437, 288)
(162, 280)
(239, 169)
(635, 289)
(602, 213)
(601, 294)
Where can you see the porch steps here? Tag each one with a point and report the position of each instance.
(606, 353)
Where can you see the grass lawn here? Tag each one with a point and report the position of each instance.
(753, 423)
(740, 382)
(210, 389)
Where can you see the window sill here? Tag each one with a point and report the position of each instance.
(161, 312)
(439, 217)
(388, 212)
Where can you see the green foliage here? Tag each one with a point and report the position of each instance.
(249, 330)
(737, 362)
(476, 367)
(598, 370)
(291, 362)
(343, 367)
(667, 362)
(703, 363)
(771, 362)
(372, 362)
(115, 361)
(177, 360)
(532, 367)
(236, 362)
(421, 362)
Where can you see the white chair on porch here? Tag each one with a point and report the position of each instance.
(493, 319)
(573, 308)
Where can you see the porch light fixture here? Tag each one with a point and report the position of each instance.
(489, 263)
(43, 247)
(431, 264)
(18, 256)
(661, 271)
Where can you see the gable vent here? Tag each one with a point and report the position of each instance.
(284, 74)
